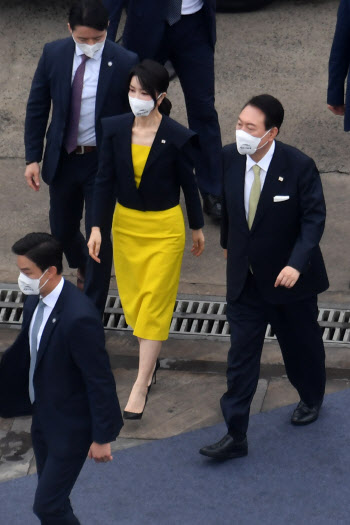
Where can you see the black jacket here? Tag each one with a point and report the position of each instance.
(283, 233)
(169, 167)
(75, 391)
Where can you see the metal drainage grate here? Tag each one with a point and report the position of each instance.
(193, 317)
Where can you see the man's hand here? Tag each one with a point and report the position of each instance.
(198, 242)
(31, 174)
(337, 110)
(100, 453)
(94, 243)
(287, 277)
(225, 253)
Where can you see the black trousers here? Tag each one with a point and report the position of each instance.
(56, 479)
(71, 189)
(299, 335)
(187, 45)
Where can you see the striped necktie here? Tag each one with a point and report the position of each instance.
(254, 195)
(174, 11)
(34, 346)
(71, 138)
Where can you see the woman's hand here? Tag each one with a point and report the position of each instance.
(94, 243)
(198, 242)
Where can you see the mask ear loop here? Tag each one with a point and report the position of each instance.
(47, 280)
(268, 131)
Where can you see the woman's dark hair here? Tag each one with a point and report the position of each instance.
(272, 109)
(89, 13)
(154, 78)
(42, 249)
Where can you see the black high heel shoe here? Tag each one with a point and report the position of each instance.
(135, 415)
(154, 376)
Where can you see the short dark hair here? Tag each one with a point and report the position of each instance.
(89, 13)
(154, 78)
(271, 107)
(42, 249)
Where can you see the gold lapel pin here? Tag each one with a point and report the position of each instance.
(109, 63)
(163, 141)
(280, 179)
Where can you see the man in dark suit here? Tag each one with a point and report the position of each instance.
(339, 62)
(71, 389)
(185, 32)
(273, 219)
(82, 78)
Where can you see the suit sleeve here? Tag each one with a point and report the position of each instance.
(339, 59)
(189, 186)
(87, 343)
(37, 114)
(224, 214)
(105, 194)
(313, 216)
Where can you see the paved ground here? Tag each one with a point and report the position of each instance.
(283, 50)
(185, 397)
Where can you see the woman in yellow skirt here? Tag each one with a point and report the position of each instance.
(145, 159)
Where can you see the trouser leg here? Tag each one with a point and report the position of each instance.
(56, 478)
(300, 339)
(248, 324)
(66, 210)
(192, 56)
(97, 275)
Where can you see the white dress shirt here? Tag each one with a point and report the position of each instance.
(86, 130)
(50, 302)
(191, 6)
(263, 164)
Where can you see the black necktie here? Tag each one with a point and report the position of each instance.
(174, 11)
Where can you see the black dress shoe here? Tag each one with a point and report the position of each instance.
(227, 448)
(212, 206)
(305, 414)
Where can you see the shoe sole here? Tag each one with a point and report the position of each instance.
(233, 455)
(303, 423)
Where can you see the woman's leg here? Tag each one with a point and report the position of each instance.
(149, 351)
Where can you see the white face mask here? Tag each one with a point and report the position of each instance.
(142, 108)
(30, 286)
(89, 50)
(247, 144)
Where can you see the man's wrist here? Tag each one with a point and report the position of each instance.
(31, 162)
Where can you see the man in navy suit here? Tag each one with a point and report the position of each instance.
(82, 78)
(185, 33)
(273, 219)
(339, 62)
(58, 370)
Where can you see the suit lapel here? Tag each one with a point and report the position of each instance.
(237, 176)
(50, 326)
(108, 65)
(124, 148)
(65, 75)
(271, 186)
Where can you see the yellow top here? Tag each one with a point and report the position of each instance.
(139, 158)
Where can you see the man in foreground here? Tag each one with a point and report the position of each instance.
(58, 370)
(273, 220)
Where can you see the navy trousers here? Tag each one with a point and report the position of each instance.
(114, 9)
(299, 335)
(71, 189)
(56, 479)
(188, 46)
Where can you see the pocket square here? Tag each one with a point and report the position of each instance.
(280, 198)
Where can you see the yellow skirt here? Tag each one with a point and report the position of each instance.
(147, 250)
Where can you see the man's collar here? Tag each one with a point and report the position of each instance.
(263, 163)
(51, 298)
